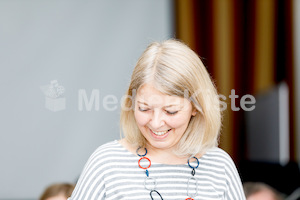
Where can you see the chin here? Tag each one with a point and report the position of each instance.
(160, 144)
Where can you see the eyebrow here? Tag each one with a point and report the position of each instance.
(164, 106)
(143, 103)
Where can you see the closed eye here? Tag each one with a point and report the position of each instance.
(143, 109)
(171, 112)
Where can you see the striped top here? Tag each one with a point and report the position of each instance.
(112, 173)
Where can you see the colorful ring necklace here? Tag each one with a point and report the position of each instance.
(150, 183)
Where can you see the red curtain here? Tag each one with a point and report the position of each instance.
(246, 46)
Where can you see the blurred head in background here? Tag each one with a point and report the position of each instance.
(260, 191)
(59, 191)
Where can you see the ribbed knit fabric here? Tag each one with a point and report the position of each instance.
(112, 173)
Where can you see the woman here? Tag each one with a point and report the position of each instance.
(171, 121)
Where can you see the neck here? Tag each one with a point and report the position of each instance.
(165, 156)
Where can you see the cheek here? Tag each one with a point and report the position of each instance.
(179, 122)
(141, 118)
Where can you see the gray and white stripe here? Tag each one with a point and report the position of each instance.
(112, 173)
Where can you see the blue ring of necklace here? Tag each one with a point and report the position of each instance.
(190, 164)
(137, 152)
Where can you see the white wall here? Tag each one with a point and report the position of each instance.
(297, 70)
(84, 45)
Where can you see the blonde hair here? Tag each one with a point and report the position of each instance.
(174, 69)
(57, 189)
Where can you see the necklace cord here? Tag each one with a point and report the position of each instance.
(153, 180)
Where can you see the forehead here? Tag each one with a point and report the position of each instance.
(150, 95)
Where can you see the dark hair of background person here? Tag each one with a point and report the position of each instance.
(57, 189)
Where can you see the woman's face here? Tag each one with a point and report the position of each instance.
(161, 118)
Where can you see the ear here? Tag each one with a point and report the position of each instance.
(194, 112)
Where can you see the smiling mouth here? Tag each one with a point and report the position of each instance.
(160, 133)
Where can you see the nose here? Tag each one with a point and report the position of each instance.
(157, 120)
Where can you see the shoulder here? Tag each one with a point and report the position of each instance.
(217, 153)
(108, 146)
(219, 157)
(108, 149)
(111, 152)
(223, 158)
